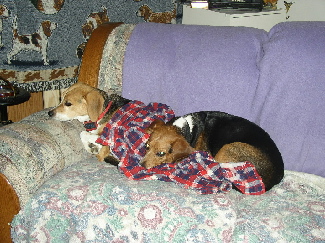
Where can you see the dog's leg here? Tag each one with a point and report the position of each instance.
(102, 153)
(12, 53)
(89, 142)
(105, 155)
(239, 152)
(44, 55)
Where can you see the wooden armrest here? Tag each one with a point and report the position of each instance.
(9, 207)
(91, 58)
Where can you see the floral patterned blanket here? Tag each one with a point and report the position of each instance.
(93, 202)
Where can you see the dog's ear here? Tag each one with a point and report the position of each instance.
(180, 149)
(154, 125)
(71, 88)
(95, 102)
(65, 92)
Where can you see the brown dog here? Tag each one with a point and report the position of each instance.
(226, 137)
(86, 103)
(157, 17)
(271, 3)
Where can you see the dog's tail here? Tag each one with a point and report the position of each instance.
(175, 15)
(15, 27)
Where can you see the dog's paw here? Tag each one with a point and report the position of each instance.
(94, 149)
(112, 160)
(89, 142)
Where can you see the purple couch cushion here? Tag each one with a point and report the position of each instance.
(290, 97)
(193, 68)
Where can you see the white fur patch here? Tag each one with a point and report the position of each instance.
(182, 121)
(82, 118)
(64, 117)
(89, 142)
(61, 117)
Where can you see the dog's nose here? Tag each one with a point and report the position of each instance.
(51, 113)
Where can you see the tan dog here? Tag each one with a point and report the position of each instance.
(93, 21)
(271, 3)
(81, 102)
(86, 103)
(226, 137)
(165, 145)
(168, 145)
(160, 17)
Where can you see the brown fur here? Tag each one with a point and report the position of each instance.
(271, 3)
(93, 21)
(46, 25)
(37, 41)
(3, 11)
(165, 145)
(84, 102)
(160, 17)
(79, 100)
(236, 152)
(226, 137)
(103, 153)
(166, 140)
(57, 5)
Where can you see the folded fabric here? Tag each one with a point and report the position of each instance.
(126, 136)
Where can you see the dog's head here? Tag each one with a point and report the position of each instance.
(48, 27)
(144, 11)
(87, 29)
(165, 145)
(81, 102)
(4, 11)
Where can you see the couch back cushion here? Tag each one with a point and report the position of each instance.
(290, 96)
(194, 68)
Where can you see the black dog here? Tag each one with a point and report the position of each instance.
(226, 137)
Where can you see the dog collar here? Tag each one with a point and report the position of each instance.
(90, 125)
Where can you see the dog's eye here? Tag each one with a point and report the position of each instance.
(147, 146)
(161, 154)
(67, 103)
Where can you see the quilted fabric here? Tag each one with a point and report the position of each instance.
(36, 148)
(93, 202)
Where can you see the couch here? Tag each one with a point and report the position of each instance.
(56, 192)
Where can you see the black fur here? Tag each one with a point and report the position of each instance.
(117, 102)
(220, 128)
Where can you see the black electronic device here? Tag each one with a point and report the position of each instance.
(237, 4)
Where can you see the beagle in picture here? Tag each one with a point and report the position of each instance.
(4, 14)
(157, 17)
(37, 41)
